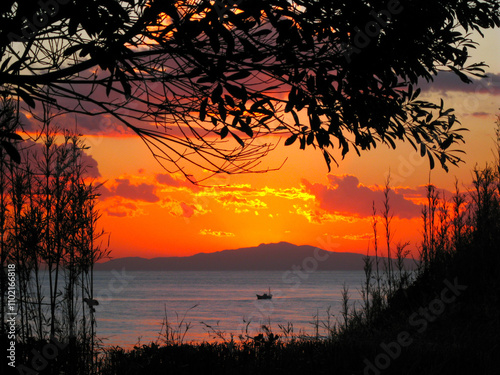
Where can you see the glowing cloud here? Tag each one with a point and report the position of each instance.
(216, 233)
(345, 195)
(123, 188)
(119, 208)
(319, 216)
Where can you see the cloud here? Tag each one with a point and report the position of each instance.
(105, 125)
(96, 121)
(358, 237)
(122, 209)
(182, 209)
(447, 81)
(289, 193)
(243, 198)
(480, 114)
(246, 191)
(111, 212)
(34, 151)
(232, 200)
(318, 216)
(92, 168)
(346, 196)
(216, 233)
(187, 209)
(168, 180)
(123, 188)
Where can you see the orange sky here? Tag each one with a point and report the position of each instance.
(151, 213)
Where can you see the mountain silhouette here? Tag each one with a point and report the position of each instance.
(265, 257)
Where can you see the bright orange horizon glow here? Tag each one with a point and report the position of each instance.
(150, 213)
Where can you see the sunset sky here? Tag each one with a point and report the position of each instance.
(149, 212)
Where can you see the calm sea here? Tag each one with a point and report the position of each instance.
(133, 304)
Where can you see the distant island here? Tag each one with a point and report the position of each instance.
(265, 257)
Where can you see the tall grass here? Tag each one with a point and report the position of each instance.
(174, 332)
(48, 230)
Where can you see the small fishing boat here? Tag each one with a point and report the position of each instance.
(265, 295)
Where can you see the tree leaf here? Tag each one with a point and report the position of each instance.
(423, 149)
(238, 139)
(245, 128)
(26, 97)
(327, 159)
(230, 100)
(295, 117)
(13, 136)
(239, 92)
(431, 160)
(291, 140)
(4, 64)
(310, 138)
(203, 109)
(11, 151)
(224, 132)
(217, 94)
(460, 75)
(447, 142)
(222, 111)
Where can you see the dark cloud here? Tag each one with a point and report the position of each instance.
(167, 179)
(123, 188)
(93, 121)
(346, 196)
(111, 212)
(121, 209)
(447, 81)
(481, 114)
(91, 168)
(81, 124)
(34, 152)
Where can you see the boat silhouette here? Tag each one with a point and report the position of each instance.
(265, 295)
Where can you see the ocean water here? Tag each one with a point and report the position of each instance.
(133, 304)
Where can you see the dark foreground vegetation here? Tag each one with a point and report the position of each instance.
(444, 319)
(49, 242)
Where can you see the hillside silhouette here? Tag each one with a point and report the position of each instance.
(265, 257)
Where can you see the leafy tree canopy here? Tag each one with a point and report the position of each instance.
(201, 80)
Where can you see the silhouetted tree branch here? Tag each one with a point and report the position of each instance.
(201, 81)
